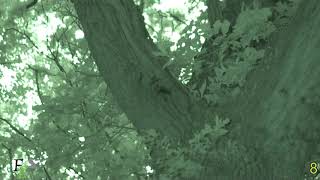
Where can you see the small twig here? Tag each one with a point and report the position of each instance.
(25, 35)
(175, 17)
(15, 129)
(44, 11)
(55, 59)
(77, 172)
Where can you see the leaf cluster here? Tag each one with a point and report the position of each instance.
(182, 160)
(235, 51)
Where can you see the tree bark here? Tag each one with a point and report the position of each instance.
(277, 114)
(130, 63)
(274, 122)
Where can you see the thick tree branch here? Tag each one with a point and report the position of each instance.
(274, 119)
(272, 116)
(123, 51)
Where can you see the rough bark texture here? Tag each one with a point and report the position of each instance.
(129, 62)
(275, 121)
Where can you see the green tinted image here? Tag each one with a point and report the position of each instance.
(159, 90)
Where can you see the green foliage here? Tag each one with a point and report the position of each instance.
(190, 44)
(22, 174)
(70, 101)
(253, 25)
(236, 51)
(221, 27)
(186, 160)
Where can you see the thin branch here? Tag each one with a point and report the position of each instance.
(31, 4)
(141, 6)
(41, 99)
(77, 172)
(10, 160)
(38, 86)
(9, 150)
(55, 59)
(36, 72)
(72, 14)
(47, 173)
(63, 34)
(175, 17)
(43, 11)
(88, 74)
(122, 127)
(116, 134)
(8, 63)
(15, 129)
(43, 70)
(95, 133)
(24, 34)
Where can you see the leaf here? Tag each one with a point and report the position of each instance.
(216, 27)
(250, 18)
(220, 123)
(158, 53)
(253, 25)
(251, 55)
(225, 27)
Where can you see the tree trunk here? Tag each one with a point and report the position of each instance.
(274, 128)
(130, 63)
(277, 115)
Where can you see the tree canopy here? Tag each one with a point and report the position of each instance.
(123, 89)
